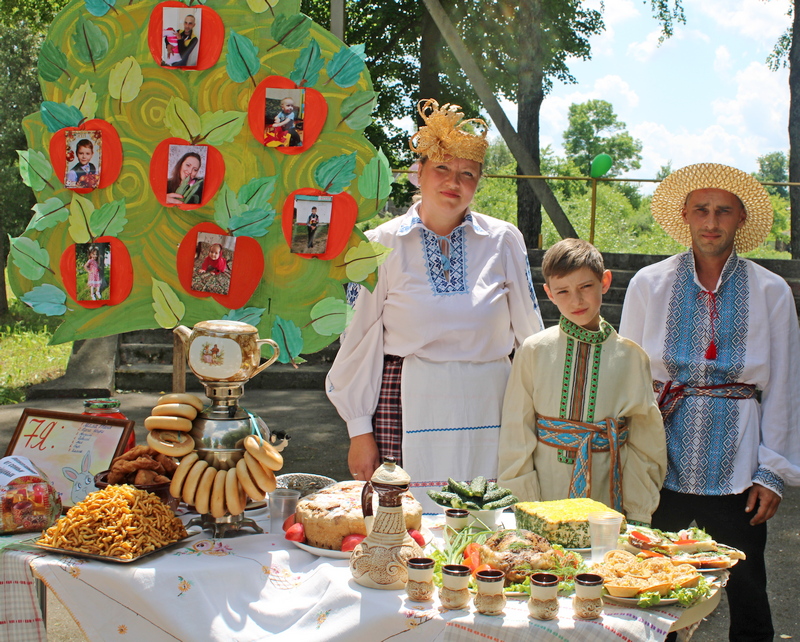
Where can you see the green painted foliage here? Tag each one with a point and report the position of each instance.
(243, 62)
(335, 174)
(346, 65)
(52, 62)
(48, 214)
(46, 299)
(307, 66)
(31, 259)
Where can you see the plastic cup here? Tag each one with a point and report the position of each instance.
(282, 503)
(603, 533)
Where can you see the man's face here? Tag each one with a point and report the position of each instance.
(713, 217)
(85, 154)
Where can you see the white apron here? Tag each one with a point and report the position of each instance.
(451, 422)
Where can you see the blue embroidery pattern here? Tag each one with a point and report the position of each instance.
(769, 479)
(457, 283)
(352, 290)
(530, 288)
(702, 433)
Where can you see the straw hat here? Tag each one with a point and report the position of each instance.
(445, 135)
(670, 196)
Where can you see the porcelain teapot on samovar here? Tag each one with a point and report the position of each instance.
(380, 560)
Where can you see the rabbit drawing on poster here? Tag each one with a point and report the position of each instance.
(82, 482)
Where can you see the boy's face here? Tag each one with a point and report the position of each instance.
(578, 296)
(85, 154)
(288, 106)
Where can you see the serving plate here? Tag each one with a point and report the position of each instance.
(345, 555)
(634, 601)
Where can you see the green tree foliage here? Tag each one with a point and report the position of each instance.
(594, 129)
(774, 168)
(38, 14)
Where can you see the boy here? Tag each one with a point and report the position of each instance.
(285, 119)
(580, 418)
(84, 150)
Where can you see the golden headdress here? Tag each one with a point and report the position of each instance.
(445, 135)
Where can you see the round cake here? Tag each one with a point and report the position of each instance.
(333, 513)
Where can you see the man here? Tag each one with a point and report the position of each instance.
(311, 226)
(724, 346)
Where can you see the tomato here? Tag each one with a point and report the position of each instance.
(296, 533)
(289, 521)
(351, 541)
(481, 567)
(641, 537)
(417, 536)
(646, 554)
(472, 556)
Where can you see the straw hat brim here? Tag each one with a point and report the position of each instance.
(670, 196)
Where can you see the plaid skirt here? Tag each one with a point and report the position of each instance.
(387, 422)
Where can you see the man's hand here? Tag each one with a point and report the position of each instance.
(767, 502)
(363, 458)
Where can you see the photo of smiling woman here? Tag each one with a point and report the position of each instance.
(187, 171)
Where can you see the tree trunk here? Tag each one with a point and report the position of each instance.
(3, 260)
(530, 95)
(430, 66)
(794, 131)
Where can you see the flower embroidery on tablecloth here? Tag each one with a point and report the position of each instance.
(206, 547)
(122, 629)
(282, 578)
(183, 586)
(321, 617)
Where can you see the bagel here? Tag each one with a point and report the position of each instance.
(170, 443)
(202, 498)
(249, 486)
(181, 397)
(168, 423)
(264, 452)
(263, 477)
(175, 410)
(183, 469)
(192, 479)
(232, 488)
(218, 495)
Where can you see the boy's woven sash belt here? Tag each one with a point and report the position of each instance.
(670, 393)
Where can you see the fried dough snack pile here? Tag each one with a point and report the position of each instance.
(626, 575)
(118, 521)
(142, 465)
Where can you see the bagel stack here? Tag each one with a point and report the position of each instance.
(196, 481)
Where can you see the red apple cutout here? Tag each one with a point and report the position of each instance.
(159, 171)
(110, 157)
(248, 267)
(344, 212)
(120, 277)
(209, 45)
(316, 112)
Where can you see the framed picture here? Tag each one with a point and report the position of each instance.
(84, 152)
(284, 114)
(213, 263)
(69, 448)
(181, 36)
(92, 271)
(312, 220)
(186, 174)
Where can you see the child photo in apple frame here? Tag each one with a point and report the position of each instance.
(284, 113)
(92, 271)
(312, 220)
(83, 156)
(181, 36)
(213, 263)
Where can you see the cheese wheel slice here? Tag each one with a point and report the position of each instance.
(175, 410)
(181, 397)
(202, 498)
(168, 423)
(181, 472)
(218, 495)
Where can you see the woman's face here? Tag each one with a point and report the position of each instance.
(188, 23)
(190, 167)
(448, 187)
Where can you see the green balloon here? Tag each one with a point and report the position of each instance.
(600, 165)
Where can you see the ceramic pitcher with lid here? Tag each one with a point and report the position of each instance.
(380, 560)
(225, 350)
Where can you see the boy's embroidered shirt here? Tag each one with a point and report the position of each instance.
(716, 445)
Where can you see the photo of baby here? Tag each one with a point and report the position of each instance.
(92, 271)
(213, 262)
(312, 218)
(83, 155)
(284, 113)
(186, 173)
(181, 36)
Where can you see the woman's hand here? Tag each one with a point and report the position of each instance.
(174, 199)
(363, 458)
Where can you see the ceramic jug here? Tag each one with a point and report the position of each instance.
(225, 350)
(380, 560)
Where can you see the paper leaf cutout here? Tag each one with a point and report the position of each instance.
(357, 109)
(243, 62)
(46, 299)
(80, 212)
(252, 222)
(84, 100)
(256, 194)
(89, 43)
(52, 62)
(181, 120)
(245, 315)
(48, 214)
(376, 180)
(226, 206)
(290, 31)
(346, 65)
(335, 174)
(58, 115)
(125, 80)
(110, 219)
(289, 339)
(260, 6)
(364, 259)
(221, 126)
(99, 7)
(307, 66)
(35, 169)
(169, 309)
(330, 316)
(30, 257)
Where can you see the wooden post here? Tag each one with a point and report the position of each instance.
(498, 116)
(337, 19)
(594, 210)
(178, 364)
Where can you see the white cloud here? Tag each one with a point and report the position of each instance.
(757, 19)
(722, 59)
(645, 49)
(609, 87)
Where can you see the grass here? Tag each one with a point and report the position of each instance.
(25, 357)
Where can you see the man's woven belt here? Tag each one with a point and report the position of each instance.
(670, 393)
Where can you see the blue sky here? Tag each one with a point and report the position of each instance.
(706, 94)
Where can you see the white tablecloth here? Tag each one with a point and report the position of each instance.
(254, 587)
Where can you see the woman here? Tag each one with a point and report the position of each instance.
(187, 41)
(422, 368)
(183, 185)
